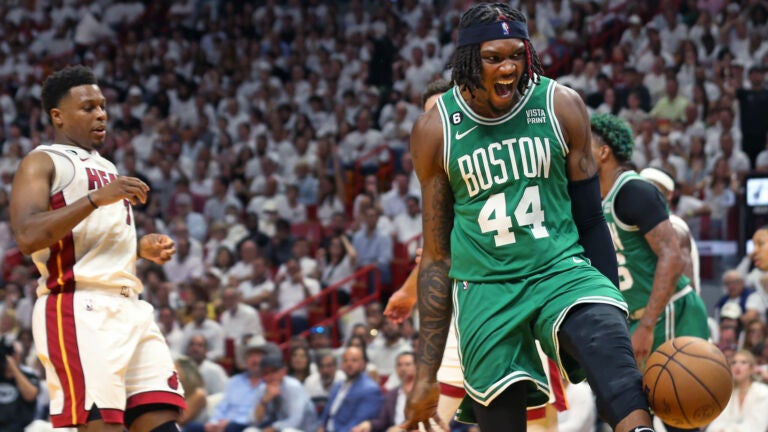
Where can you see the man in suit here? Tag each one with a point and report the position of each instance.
(353, 401)
(392, 413)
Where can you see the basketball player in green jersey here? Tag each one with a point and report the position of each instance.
(662, 303)
(512, 219)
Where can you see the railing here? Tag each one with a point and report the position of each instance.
(401, 261)
(323, 308)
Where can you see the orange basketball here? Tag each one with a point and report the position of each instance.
(688, 382)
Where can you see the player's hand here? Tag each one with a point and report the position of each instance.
(642, 341)
(422, 406)
(418, 255)
(399, 306)
(122, 187)
(158, 248)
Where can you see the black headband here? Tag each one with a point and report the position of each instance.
(492, 31)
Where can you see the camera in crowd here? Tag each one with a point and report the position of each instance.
(6, 349)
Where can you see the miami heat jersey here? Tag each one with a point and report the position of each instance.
(100, 252)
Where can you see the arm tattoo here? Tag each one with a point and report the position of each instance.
(669, 267)
(434, 285)
(435, 306)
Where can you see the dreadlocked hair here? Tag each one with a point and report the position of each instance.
(466, 63)
(615, 133)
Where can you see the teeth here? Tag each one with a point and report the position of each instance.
(505, 82)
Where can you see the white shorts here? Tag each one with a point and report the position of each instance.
(450, 371)
(102, 348)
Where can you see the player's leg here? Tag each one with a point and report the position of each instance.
(506, 412)
(451, 378)
(153, 418)
(597, 337)
(155, 395)
(583, 325)
(450, 399)
(75, 333)
(502, 369)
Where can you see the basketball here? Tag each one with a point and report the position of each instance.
(688, 382)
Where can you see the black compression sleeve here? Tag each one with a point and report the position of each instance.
(594, 236)
(639, 203)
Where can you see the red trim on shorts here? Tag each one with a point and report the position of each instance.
(114, 416)
(556, 384)
(66, 361)
(156, 397)
(61, 258)
(536, 413)
(452, 391)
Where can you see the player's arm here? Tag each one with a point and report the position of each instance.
(641, 204)
(684, 241)
(433, 284)
(35, 225)
(584, 186)
(401, 302)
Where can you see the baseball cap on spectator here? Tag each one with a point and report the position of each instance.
(635, 19)
(258, 343)
(134, 91)
(271, 362)
(731, 311)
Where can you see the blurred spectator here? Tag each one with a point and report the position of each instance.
(749, 401)
(293, 290)
(235, 410)
(753, 100)
(208, 328)
(719, 196)
(373, 246)
(384, 349)
(392, 412)
(355, 400)
(299, 363)
(757, 302)
(243, 268)
(195, 222)
(195, 394)
(19, 386)
(735, 293)
(169, 326)
(672, 104)
(239, 321)
(337, 263)
(282, 403)
(319, 383)
(220, 199)
(214, 376)
(258, 290)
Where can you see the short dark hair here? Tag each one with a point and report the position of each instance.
(57, 85)
(438, 86)
(466, 61)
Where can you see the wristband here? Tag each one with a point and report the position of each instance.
(90, 200)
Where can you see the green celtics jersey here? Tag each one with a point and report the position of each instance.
(637, 261)
(512, 208)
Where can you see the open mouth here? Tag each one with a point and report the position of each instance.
(504, 88)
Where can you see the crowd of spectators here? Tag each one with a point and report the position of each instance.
(274, 136)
